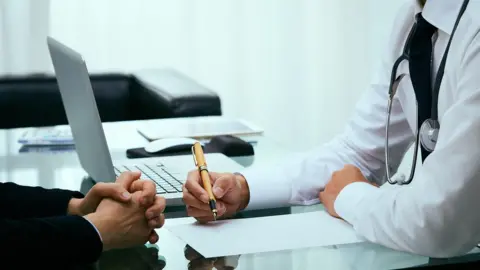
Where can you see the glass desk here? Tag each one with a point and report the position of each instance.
(61, 169)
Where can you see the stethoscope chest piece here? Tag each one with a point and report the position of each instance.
(429, 134)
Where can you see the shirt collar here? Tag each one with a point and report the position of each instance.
(440, 13)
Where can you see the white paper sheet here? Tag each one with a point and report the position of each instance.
(264, 234)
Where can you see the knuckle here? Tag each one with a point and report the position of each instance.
(161, 220)
(137, 184)
(192, 174)
(189, 210)
(132, 187)
(203, 220)
(351, 167)
(162, 202)
(188, 201)
(149, 186)
(188, 183)
(99, 187)
(149, 183)
(184, 192)
(224, 181)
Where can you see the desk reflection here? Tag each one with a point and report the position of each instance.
(198, 262)
(143, 257)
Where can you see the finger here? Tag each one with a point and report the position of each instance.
(157, 207)
(326, 200)
(223, 184)
(147, 189)
(157, 222)
(127, 178)
(153, 238)
(194, 186)
(221, 208)
(111, 190)
(321, 196)
(351, 167)
(199, 213)
(204, 220)
(190, 200)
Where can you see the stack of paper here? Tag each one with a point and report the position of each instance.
(264, 234)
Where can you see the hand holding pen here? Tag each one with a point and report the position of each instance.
(230, 191)
(201, 164)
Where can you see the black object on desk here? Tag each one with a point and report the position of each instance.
(228, 145)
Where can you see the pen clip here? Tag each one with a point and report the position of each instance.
(194, 156)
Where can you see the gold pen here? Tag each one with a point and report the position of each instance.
(201, 164)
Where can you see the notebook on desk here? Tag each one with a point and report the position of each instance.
(202, 127)
(47, 136)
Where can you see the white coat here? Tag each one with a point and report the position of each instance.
(437, 214)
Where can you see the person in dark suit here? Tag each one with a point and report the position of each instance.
(53, 226)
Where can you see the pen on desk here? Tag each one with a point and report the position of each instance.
(201, 164)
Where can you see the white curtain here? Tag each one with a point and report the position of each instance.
(294, 67)
(23, 27)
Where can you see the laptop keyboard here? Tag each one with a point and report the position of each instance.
(164, 180)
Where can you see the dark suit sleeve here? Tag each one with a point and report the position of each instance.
(33, 202)
(52, 241)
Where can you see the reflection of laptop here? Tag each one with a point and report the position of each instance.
(169, 173)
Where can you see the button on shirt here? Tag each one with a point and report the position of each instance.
(436, 215)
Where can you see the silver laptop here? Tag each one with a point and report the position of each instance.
(168, 173)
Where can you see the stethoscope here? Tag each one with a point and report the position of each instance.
(428, 133)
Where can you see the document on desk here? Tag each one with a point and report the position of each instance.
(265, 234)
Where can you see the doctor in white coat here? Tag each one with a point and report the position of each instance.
(435, 212)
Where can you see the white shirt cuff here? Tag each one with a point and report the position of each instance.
(99, 235)
(267, 189)
(351, 196)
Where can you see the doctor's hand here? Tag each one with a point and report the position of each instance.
(340, 179)
(230, 190)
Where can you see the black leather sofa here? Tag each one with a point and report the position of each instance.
(35, 101)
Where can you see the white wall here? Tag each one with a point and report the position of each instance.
(295, 67)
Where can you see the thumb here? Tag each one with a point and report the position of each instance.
(119, 193)
(113, 191)
(223, 184)
(127, 178)
(321, 196)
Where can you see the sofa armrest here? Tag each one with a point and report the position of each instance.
(166, 93)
